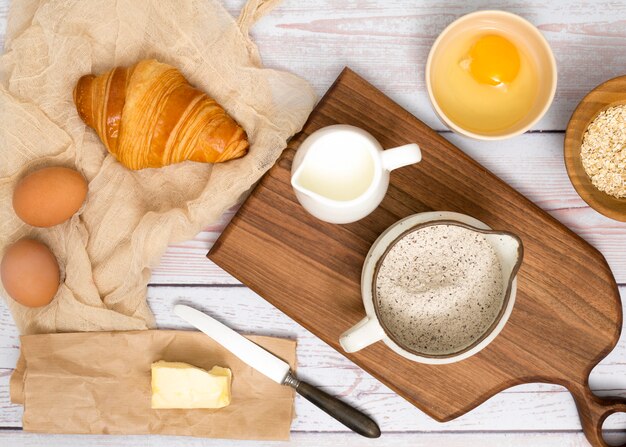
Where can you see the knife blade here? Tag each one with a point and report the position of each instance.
(276, 369)
(248, 352)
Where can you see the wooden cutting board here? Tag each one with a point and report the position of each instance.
(567, 316)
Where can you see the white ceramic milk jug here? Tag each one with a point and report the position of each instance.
(340, 173)
(508, 248)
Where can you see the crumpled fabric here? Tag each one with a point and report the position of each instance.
(105, 251)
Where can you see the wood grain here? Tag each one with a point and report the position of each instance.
(15, 438)
(608, 94)
(388, 41)
(298, 439)
(531, 163)
(528, 407)
(311, 270)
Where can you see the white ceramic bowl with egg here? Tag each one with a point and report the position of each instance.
(527, 38)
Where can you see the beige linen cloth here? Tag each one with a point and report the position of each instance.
(106, 250)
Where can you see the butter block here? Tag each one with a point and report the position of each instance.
(180, 385)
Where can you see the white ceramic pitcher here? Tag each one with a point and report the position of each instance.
(507, 247)
(340, 173)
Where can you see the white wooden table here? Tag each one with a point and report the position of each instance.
(387, 42)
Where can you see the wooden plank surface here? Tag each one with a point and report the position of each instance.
(524, 408)
(531, 163)
(567, 313)
(417, 439)
(388, 42)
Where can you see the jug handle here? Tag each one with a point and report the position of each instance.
(400, 156)
(362, 334)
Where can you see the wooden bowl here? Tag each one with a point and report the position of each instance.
(609, 94)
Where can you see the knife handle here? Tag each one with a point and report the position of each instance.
(344, 413)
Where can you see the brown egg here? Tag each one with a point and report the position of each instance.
(49, 196)
(30, 273)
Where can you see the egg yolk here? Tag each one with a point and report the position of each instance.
(494, 60)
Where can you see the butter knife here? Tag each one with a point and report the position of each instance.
(278, 370)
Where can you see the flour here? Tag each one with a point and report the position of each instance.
(439, 289)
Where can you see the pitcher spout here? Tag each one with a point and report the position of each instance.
(295, 182)
(303, 190)
(510, 251)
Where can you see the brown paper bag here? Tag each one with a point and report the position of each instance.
(99, 383)
(106, 250)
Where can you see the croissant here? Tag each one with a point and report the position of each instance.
(149, 116)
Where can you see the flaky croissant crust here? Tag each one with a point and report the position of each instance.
(149, 116)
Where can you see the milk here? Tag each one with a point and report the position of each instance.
(338, 169)
(340, 173)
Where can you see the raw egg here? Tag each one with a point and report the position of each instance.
(494, 60)
(30, 273)
(49, 196)
(484, 81)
